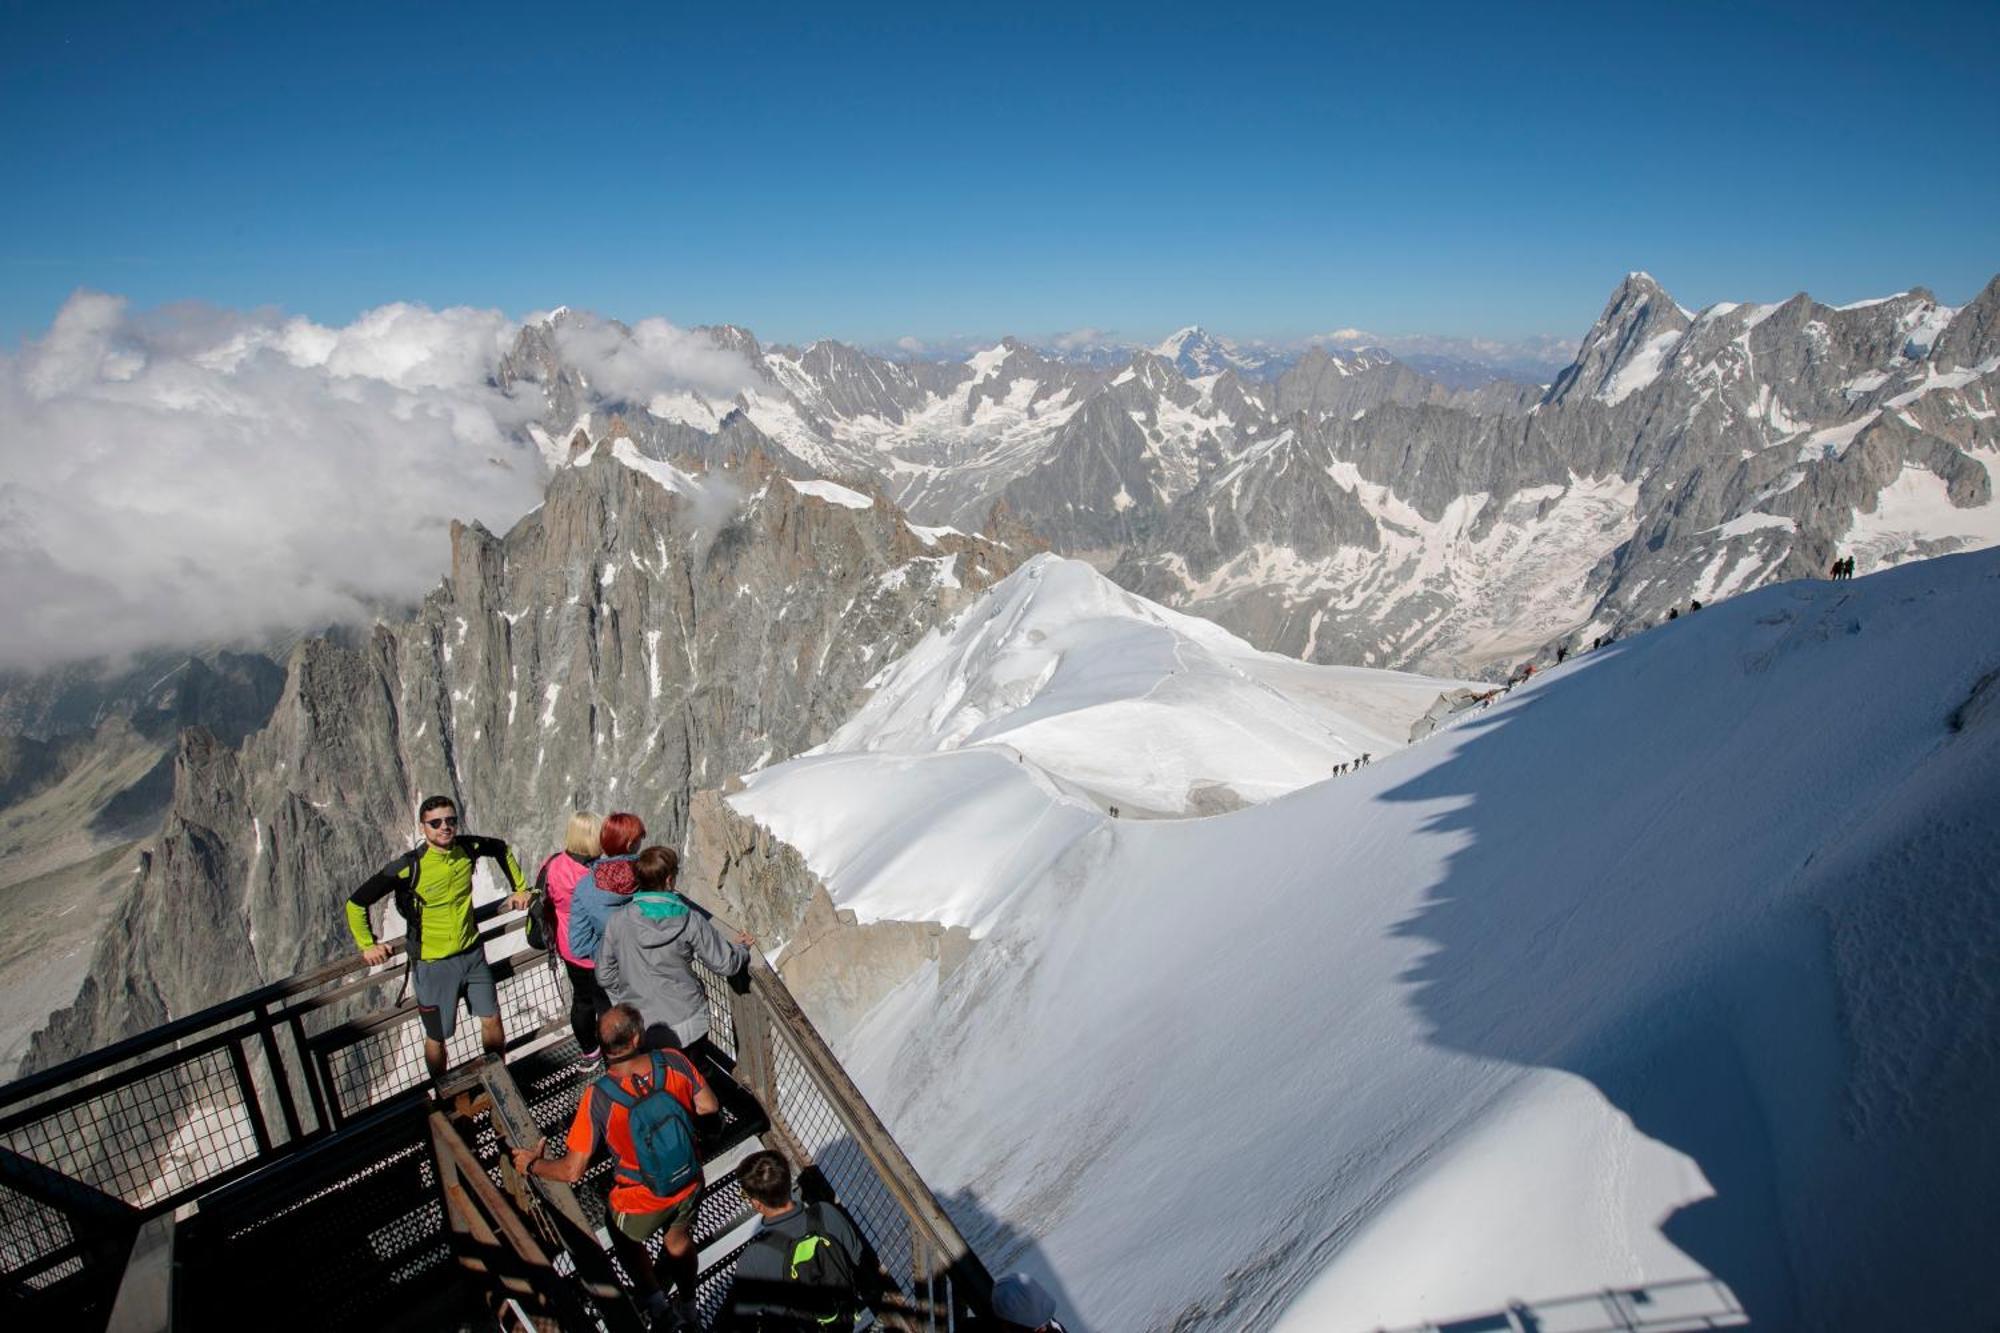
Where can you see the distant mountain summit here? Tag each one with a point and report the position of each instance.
(1195, 352)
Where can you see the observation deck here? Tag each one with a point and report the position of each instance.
(281, 1157)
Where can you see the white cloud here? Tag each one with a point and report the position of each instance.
(908, 344)
(1077, 338)
(1344, 338)
(634, 364)
(192, 476)
(1540, 351)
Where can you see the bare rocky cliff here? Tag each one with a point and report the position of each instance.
(647, 633)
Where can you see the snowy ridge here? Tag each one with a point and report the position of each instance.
(1080, 676)
(1490, 1019)
(1055, 698)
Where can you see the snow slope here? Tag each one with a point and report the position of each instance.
(1052, 700)
(1678, 962)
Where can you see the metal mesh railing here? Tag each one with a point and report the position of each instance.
(1677, 1306)
(830, 1131)
(179, 1124)
(823, 1139)
(350, 1235)
(161, 1118)
(721, 1010)
(368, 1062)
(37, 1242)
(63, 1244)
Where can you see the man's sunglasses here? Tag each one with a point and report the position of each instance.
(449, 821)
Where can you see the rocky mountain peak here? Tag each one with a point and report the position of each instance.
(1973, 336)
(1195, 352)
(733, 338)
(1192, 335)
(1623, 350)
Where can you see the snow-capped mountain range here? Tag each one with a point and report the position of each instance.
(1346, 507)
(1456, 361)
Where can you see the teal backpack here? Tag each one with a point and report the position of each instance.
(662, 1132)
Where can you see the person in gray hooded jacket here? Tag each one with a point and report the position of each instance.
(646, 958)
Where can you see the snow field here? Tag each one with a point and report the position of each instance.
(1611, 984)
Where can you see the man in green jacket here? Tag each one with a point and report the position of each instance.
(432, 885)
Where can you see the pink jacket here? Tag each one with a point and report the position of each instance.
(563, 873)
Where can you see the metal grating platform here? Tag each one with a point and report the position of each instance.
(352, 1234)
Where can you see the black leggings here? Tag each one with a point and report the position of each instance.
(587, 1004)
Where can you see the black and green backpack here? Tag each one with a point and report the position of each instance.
(821, 1275)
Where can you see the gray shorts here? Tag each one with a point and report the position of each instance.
(440, 981)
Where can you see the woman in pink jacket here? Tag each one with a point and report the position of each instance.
(560, 875)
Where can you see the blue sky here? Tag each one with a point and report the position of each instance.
(868, 172)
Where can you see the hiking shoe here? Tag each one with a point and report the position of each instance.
(592, 1059)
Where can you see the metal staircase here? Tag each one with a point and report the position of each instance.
(286, 1144)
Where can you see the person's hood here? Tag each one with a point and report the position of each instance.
(658, 919)
(615, 875)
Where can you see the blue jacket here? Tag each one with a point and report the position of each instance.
(590, 907)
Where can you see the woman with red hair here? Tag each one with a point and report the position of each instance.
(607, 887)
(621, 835)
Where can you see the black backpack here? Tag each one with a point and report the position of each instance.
(820, 1276)
(408, 905)
(542, 916)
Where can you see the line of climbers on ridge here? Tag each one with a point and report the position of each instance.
(627, 942)
(1840, 571)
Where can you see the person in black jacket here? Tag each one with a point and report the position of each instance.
(806, 1268)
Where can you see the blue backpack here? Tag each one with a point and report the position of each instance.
(662, 1132)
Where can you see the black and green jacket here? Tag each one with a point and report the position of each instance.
(433, 889)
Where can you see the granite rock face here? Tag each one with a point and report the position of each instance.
(647, 633)
(85, 780)
(226, 690)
